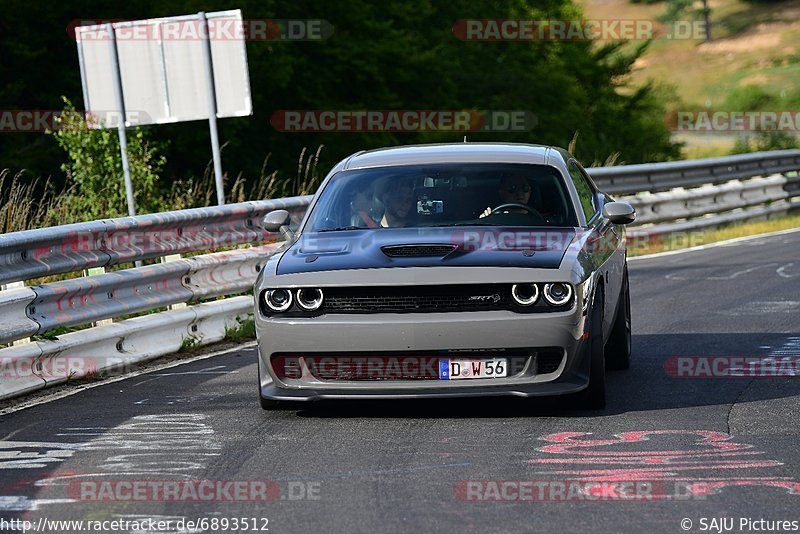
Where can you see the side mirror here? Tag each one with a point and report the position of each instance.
(278, 221)
(619, 212)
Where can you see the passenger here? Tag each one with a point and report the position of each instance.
(362, 207)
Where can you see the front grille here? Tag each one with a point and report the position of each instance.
(416, 251)
(473, 297)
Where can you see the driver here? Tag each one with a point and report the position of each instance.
(514, 189)
(398, 200)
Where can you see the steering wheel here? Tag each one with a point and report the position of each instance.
(527, 208)
(530, 211)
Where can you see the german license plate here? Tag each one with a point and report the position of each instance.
(464, 369)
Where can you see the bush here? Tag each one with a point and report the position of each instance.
(764, 141)
(95, 168)
(749, 98)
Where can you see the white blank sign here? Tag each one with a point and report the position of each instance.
(162, 68)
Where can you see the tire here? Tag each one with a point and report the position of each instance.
(594, 396)
(618, 350)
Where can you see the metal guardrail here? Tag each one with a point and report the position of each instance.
(655, 177)
(708, 199)
(92, 298)
(709, 205)
(676, 196)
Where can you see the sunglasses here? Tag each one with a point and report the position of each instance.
(515, 188)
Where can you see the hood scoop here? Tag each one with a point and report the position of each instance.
(418, 251)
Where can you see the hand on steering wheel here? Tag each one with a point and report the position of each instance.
(527, 208)
(530, 210)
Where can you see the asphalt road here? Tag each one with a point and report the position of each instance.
(722, 448)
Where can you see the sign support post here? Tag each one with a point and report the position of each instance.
(123, 140)
(212, 107)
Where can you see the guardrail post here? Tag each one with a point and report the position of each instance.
(166, 259)
(94, 271)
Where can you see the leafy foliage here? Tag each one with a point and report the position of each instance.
(95, 167)
(244, 330)
(766, 140)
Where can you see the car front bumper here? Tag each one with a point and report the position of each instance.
(438, 334)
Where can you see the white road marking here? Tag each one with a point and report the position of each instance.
(790, 348)
(677, 276)
(206, 371)
(15, 454)
(782, 271)
(760, 307)
(169, 400)
(174, 446)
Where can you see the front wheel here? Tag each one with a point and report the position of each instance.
(594, 396)
(618, 351)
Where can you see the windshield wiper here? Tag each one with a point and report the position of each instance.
(342, 228)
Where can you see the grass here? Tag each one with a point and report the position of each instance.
(651, 245)
(52, 335)
(190, 343)
(245, 330)
(27, 203)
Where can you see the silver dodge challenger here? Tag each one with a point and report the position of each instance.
(447, 270)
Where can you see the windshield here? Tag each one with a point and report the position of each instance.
(485, 194)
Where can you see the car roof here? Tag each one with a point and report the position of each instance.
(457, 153)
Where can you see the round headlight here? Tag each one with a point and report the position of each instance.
(525, 294)
(278, 300)
(309, 299)
(558, 293)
